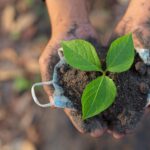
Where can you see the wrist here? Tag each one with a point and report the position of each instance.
(64, 14)
(138, 11)
(74, 30)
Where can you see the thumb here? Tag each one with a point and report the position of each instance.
(47, 61)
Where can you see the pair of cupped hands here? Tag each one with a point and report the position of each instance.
(49, 58)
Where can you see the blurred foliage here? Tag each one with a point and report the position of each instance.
(21, 84)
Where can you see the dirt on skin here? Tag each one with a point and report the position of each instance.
(132, 89)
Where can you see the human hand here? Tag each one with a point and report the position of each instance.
(82, 30)
(48, 60)
(137, 23)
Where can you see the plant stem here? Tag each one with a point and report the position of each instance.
(104, 73)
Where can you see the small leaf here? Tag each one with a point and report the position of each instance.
(82, 55)
(98, 96)
(120, 56)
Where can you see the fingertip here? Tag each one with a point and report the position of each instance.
(118, 135)
(97, 133)
(109, 131)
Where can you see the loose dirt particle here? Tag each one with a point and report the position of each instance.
(140, 67)
(144, 88)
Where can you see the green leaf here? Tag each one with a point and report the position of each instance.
(120, 56)
(98, 96)
(82, 55)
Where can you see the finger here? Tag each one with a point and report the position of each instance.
(109, 131)
(76, 120)
(47, 62)
(98, 132)
(93, 126)
(118, 135)
(140, 35)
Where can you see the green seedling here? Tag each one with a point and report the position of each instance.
(100, 93)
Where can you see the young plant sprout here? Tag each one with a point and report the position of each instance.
(100, 93)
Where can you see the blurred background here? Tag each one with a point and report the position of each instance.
(24, 31)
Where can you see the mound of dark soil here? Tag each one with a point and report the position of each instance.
(132, 89)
